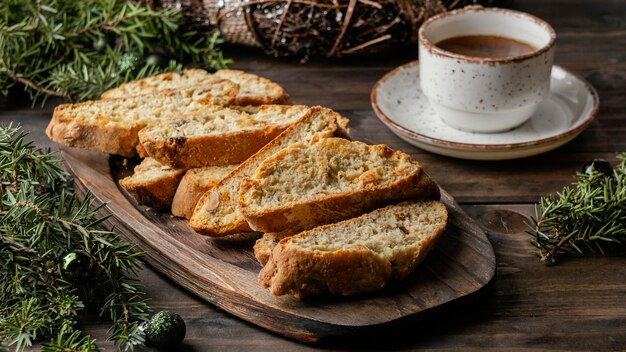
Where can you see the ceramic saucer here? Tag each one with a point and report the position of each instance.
(399, 103)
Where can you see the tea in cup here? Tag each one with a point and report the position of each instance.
(485, 69)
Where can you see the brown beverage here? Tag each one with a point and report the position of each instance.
(485, 46)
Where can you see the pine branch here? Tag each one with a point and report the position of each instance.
(35, 87)
(41, 219)
(73, 49)
(588, 218)
(71, 342)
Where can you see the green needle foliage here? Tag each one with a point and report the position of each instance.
(41, 220)
(588, 218)
(78, 49)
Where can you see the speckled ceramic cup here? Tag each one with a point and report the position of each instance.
(481, 94)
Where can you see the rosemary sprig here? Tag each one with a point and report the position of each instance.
(587, 218)
(41, 220)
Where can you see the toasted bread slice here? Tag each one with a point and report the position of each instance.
(194, 184)
(153, 184)
(217, 136)
(254, 90)
(307, 185)
(356, 255)
(217, 214)
(263, 246)
(112, 126)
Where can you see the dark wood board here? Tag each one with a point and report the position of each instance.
(223, 271)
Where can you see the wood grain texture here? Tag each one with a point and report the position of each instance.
(577, 305)
(224, 271)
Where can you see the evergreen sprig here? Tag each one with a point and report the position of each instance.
(77, 49)
(41, 220)
(588, 218)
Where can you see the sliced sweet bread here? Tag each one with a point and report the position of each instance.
(356, 255)
(217, 136)
(194, 184)
(263, 246)
(254, 90)
(307, 185)
(153, 184)
(217, 214)
(112, 126)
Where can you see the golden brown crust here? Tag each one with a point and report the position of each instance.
(246, 100)
(226, 191)
(264, 246)
(65, 130)
(157, 193)
(211, 150)
(306, 214)
(187, 196)
(248, 95)
(193, 185)
(302, 272)
(120, 135)
(141, 152)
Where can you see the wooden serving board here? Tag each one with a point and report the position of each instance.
(224, 271)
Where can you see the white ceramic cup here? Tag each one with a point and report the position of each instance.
(480, 94)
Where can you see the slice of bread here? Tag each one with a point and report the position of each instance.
(356, 255)
(217, 214)
(153, 184)
(263, 246)
(217, 136)
(194, 184)
(307, 185)
(112, 126)
(254, 90)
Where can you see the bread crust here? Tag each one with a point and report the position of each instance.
(211, 150)
(279, 95)
(226, 191)
(104, 135)
(300, 272)
(186, 197)
(157, 193)
(112, 139)
(244, 97)
(188, 193)
(264, 246)
(336, 207)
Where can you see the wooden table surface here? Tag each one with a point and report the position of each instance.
(579, 304)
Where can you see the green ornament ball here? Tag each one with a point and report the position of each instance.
(128, 61)
(76, 267)
(165, 330)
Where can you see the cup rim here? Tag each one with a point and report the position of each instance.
(476, 59)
